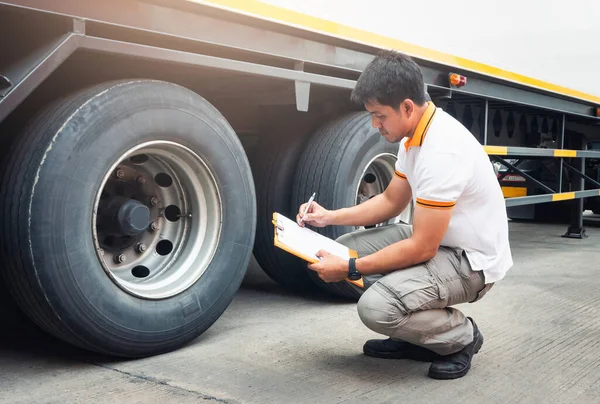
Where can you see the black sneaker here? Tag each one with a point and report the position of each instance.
(397, 349)
(457, 364)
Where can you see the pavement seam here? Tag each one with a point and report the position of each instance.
(164, 383)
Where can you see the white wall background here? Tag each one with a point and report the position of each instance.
(552, 40)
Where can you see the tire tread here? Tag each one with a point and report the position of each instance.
(317, 163)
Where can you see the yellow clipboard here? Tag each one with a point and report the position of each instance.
(304, 243)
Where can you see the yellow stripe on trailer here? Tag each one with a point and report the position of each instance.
(320, 25)
(565, 153)
(563, 196)
(496, 150)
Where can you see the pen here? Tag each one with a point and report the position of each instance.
(310, 201)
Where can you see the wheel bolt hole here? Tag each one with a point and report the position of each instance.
(139, 159)
(140, 271)
(172, 213)
(164, 247)
(370, 178)
(163, 180)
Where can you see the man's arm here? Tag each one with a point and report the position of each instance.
(440, 183)
(429, 226)
(382, 207)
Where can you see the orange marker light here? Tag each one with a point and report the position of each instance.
(597, 111)
(456, 80)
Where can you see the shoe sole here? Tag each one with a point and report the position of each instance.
(392, 355)
(461, 373)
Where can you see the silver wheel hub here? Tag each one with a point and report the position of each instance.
(374, 180)
(157, 220)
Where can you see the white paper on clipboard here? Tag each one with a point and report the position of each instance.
(305, 243)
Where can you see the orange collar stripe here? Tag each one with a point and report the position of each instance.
(422, 127)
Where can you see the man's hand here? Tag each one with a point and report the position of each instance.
(316, 216)
(331, 268)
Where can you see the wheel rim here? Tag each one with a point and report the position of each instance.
(374, 180)
(157, 220)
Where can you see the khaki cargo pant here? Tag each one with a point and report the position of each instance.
(412, 304)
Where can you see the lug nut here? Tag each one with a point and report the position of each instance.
(141, 180)
(120, 258)
(120, 173)
(153, 226)
(141, 247)
(153, 201)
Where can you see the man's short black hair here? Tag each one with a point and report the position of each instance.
(389, 79)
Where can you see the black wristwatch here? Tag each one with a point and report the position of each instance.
(353, 274)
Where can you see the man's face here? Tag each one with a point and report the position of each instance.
(393, 124)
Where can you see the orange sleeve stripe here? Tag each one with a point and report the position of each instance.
(400, 175)
(435, 204)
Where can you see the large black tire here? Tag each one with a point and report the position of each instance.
(47, 194)
(331, 165)
(274, 166)
(553, 212)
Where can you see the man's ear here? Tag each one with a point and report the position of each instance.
(409, 107)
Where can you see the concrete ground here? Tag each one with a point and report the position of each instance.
(541, 327)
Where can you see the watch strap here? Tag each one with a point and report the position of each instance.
(352, 265)
(352, 271)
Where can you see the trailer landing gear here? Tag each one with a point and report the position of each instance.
(576, 229)
(575, 232)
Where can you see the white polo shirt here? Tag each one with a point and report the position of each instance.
(447, 168)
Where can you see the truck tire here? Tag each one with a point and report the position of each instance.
(553, 212)
(128, 218)
(345, 162)
(274, 167)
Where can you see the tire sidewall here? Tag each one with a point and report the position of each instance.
(78, 157)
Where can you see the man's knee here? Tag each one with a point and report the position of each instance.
(378, 312)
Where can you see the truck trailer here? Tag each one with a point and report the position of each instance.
(145, 145)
